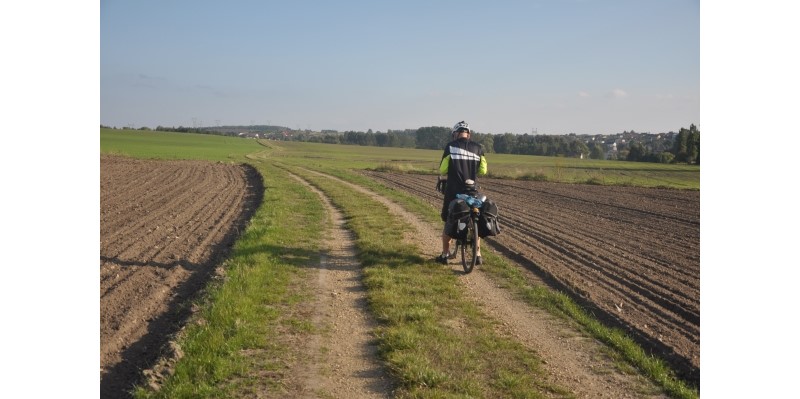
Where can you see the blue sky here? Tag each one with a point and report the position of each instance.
(553, 66)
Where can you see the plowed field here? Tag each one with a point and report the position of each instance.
(164, 227)
(630, 255)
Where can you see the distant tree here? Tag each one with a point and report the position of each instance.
(665, 157)
(636, 152)
(485, 140)
(578, 148)
(350, 137)
(381, 139)
(505, 143)
(597, 152)
(433, 137)
(693, 145)
(367, 138)
(686, 146)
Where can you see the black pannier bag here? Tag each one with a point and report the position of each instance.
(457, 218)
(487, 223)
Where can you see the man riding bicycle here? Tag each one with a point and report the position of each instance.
(462, 160)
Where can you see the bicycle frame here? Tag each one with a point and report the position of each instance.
(468, 246)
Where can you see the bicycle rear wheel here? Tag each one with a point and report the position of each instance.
(469, 250)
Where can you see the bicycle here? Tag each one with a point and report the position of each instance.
(467, 243)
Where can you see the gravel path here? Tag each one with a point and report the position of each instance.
(572, 360)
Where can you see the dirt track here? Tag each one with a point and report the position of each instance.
(631, 255)
(164, 227)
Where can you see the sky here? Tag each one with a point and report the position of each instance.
(543, 66)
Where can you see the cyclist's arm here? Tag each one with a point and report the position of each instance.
(483, 168)
(445, 165)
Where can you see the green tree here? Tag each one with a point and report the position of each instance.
(433, 137)
(505, 143)
(686, 147)
(666, 157)
(578, 148)
(693, 145)
(597, 151)
(636, 152)
(485, 140)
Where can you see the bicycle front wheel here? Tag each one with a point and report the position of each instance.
(469, 251)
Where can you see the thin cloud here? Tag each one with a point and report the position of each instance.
(583, 94)
(151, 82)
(618, 93)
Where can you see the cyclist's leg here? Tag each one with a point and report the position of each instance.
(445, 238)
(445, 241)
(478, 257)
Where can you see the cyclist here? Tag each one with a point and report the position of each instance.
(462, 160)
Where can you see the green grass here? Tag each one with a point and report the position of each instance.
(504, 166)
(147, 144)
(435, 342)
(590, 171)
(169, 145)
(255, 305)
(621, 346)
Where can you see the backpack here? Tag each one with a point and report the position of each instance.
(457, 218)
(487, 222)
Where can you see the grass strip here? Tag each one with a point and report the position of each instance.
(436, 342)
(561, 305)
(556, 303)
(242, 318)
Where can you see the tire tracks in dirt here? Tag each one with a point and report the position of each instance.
(572, 360)
(341, 359)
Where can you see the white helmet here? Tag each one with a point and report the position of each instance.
(461, 125)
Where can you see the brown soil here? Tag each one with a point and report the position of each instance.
(164, 228)
(630, 255)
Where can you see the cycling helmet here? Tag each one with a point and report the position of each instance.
(458, 127)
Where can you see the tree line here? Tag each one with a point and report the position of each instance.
(680, 147)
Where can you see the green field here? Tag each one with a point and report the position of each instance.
(426, 358)
(168, 145)
(147, 144)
